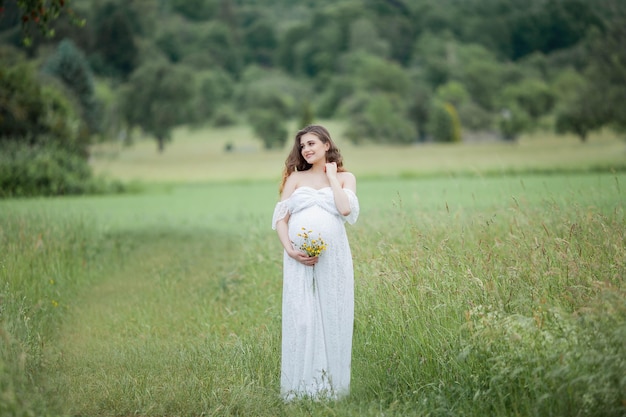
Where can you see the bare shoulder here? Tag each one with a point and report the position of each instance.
(290, 185)
(347, 180)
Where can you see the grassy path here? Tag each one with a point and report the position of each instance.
(148, 339)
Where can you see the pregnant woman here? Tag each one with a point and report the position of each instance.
(317, 197)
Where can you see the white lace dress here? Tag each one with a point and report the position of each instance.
(318, 302)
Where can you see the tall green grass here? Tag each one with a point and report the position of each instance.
(474, 296)
(44, 260)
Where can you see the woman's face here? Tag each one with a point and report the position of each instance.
(313, 149)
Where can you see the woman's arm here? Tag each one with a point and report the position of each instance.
(282, 228)
(349, 181)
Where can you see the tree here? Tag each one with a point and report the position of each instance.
(40, 14)
(374, 74)
(531, 95)
(607, 74)
(453, 92)
(43, 150)
(380, 117)
(69, 65)
(512, 122)
(260, 41)
(214, 89)
(270, 127)
(35, 114)
(575, 113)
(596, 98)
(364, 37)
(114, 48)
(577, 117)
(156, 98)
(444, 124)
(196, 9)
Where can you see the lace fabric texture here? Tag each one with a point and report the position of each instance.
(318, 302)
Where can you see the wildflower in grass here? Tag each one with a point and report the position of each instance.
(310, 246)
(55, 303)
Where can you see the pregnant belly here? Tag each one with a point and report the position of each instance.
(317, 222)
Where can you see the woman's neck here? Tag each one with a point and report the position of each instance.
(318, 167)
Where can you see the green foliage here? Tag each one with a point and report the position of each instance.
(512, 122)
(157, 98)
(43, 143)
(606, 74)
(375, 74)
(483, 80)
(260, 41)
(560, 24)
(269, 91)
(444, 124)
(531, 95)
(419, 109)
(306, 114)
(209, 44)
(196, 9)
(225, 116)
(40, 15)
(313, 48)
(270, 126)
(338, 89)
(380, 118)
(475, 118)
(500, 52)
(69, 65)
(37, 114)
(364, 38)
(452, 92)
(214, 90)
(575, 112)
(115, 51)
(27, 171)
(431, 58)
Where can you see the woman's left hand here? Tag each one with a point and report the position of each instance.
(331, 169)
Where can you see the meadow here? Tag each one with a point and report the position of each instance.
(489, 280)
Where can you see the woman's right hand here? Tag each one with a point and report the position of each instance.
(303, 258)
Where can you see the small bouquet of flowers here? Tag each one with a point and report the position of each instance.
(310, 246)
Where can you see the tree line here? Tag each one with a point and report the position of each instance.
(397, 71)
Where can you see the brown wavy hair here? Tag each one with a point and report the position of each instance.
(296, 162)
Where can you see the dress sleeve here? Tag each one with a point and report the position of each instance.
(280, 211)
(354, 207)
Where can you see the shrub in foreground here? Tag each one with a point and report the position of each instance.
(27, 171)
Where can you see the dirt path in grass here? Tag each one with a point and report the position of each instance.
(144, 329)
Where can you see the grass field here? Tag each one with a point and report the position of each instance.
(477, 293)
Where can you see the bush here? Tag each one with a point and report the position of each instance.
(70, 66)
(270, 127)
(379, 117)
(444, 124)
(475, 118)
(213, 89)
(46, 170)
(513, 121)
(38, 114)
(225, 116)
